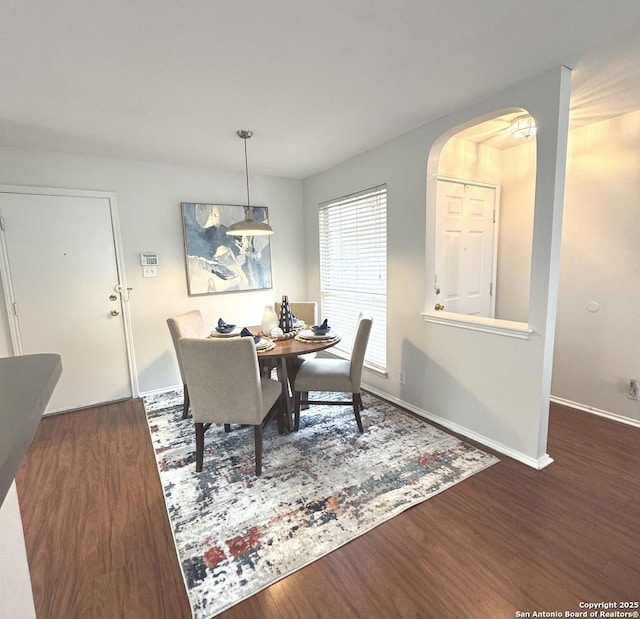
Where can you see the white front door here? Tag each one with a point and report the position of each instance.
(62, 284)
(465, 247)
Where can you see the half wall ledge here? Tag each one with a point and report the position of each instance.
(508, 328)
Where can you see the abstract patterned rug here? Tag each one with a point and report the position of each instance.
(320, 488)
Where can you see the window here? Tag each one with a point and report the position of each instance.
(353, 268)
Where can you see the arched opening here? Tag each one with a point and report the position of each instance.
(484, 208)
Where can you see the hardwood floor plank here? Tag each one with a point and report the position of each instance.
(509, 538)
(96, 530)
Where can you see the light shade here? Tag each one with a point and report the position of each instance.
(249, 226)
(523, 127)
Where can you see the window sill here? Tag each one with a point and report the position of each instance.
(508, 328)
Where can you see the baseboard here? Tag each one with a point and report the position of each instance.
(538, 464)
(596, 411)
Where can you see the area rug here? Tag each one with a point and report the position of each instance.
(321, 487)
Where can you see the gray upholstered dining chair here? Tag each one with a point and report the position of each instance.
(225, 387)
(189, 324)
(335, 375)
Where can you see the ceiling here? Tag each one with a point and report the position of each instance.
(318, 81)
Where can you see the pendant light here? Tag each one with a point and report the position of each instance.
(248, 226)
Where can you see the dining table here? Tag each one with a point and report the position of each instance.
(284, 356)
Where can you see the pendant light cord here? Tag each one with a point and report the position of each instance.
(246, 167)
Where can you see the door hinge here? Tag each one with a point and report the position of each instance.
(491, 289)
(494, 216)
(2, 223)
(15, 309)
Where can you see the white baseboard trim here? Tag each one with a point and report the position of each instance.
(596, 411)
(538, 464)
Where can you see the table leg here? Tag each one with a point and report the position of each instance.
(293, 365)
(287, 396)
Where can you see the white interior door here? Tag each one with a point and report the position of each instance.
(60, 268)
(465, 252)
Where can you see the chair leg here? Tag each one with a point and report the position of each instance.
(359, 398)
(227, 427)
(296, 410)
(199, 446)
(257, 432)
(185, 410)
(356, 411)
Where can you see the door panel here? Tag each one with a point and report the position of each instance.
(63, 270)
(475, 257)
(453, 259)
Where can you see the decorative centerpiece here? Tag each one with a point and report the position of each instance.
(286, 317)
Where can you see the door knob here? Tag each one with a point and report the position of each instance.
(438, 307)
(115, 312)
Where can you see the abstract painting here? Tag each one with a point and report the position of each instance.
(217, 262)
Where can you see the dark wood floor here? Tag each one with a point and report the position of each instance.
(508, 539)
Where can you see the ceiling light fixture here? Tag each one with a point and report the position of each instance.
(523, 127)
(248, 226)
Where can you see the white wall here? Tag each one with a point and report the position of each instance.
(149, 197)
(517, 197)
(491, 386)
(467, 160)
(597, 351)
(16, 598)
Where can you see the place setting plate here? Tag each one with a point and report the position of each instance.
(225, 329)
(264, 344)
(307, 335)
(235, 332)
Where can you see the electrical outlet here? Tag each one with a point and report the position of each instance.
(633, 385)
(402, 378)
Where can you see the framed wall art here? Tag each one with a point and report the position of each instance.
(217, 262)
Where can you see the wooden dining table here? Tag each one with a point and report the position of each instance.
(284, 356)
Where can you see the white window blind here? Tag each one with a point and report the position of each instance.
(353, 268)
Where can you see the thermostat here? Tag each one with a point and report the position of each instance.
(149, 259)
